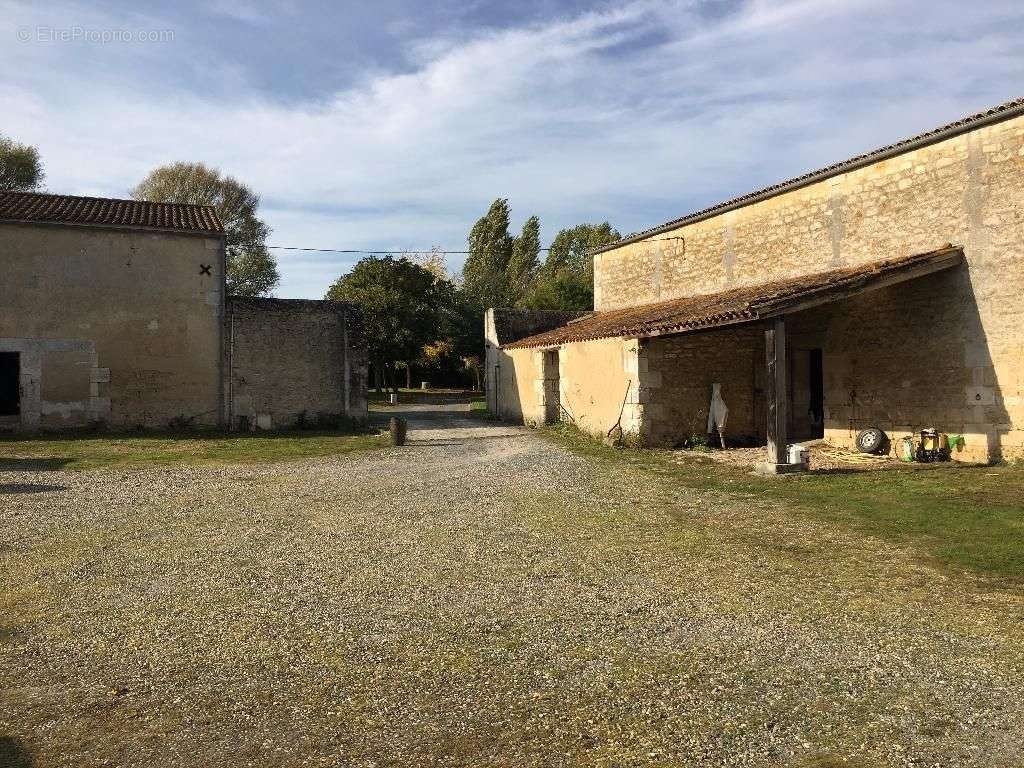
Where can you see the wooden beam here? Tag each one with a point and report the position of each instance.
(775, 391)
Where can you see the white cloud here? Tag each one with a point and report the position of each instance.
(636, 115)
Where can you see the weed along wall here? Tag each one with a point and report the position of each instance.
(294, 362)
(112, 326)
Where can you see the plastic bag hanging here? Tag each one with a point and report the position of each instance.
(718, 413)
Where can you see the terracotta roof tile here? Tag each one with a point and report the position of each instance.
(108, 212)
(739, 305)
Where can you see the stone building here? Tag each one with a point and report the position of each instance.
(881, 291)
(113, 312)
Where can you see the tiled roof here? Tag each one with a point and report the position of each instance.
(741, 305)
(996, 114)
(108, 212)
(514, 324)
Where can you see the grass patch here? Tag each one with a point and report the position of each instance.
(478, 406)
(82, 452)
(967, 518)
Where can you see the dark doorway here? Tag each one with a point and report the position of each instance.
(10, 386)
(552, 404)
(816, 385)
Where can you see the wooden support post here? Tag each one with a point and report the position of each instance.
(775, 355)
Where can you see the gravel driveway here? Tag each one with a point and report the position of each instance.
(479, 597)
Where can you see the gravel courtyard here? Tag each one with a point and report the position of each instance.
(479, 597)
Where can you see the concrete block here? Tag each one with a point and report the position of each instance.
(768, 468)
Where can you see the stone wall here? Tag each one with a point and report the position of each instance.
(600, 383)
(291, 361)
(965, 190)
(113, 327)
(503, 326)
(513, 385)
(682, 369)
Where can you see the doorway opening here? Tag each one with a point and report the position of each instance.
(552, 398)
(816, 386)
(10, 385)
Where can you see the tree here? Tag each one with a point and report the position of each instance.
(401, 305)
(251, 269)
(566, 280)
(522, 266)
(21, 169)
(485, 273)
(434, 261)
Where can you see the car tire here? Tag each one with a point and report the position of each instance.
(871, 440)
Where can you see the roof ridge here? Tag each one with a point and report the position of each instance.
(97, 199)
(1005, 111)
(83, 210)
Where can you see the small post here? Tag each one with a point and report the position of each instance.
(398, 430)
(775, 352)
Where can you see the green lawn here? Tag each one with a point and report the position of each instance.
(148, 450)
(966, 518)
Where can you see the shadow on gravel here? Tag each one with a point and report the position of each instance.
(11, 488)
(13, 753)
(33, 465)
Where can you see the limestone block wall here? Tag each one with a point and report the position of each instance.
(116, 327)
(517, 386)
(289, 360)
(601, 380)
(894, 359)
(676, 400)
(503, 326)
(967, 190)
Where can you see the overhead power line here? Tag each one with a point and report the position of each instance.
(355, 250)
(402, 250)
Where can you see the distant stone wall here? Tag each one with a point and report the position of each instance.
(294, 360)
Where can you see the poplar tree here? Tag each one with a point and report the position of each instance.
(485, 273)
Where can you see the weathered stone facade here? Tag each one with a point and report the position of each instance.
(946, 350)
(509, 395)
(119, 327)
(113, 314)
(294, 362)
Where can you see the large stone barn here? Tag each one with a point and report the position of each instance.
(883, 291)
(113, 313)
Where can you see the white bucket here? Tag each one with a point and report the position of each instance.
(798, 454)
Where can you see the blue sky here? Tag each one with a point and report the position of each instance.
(394, 123)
